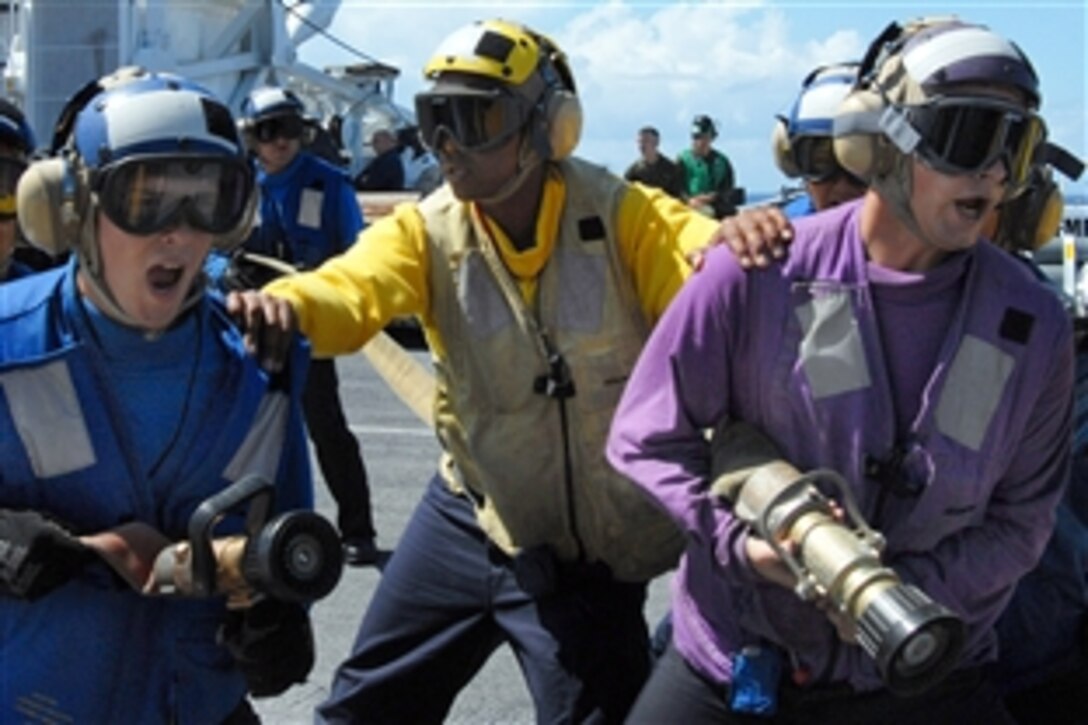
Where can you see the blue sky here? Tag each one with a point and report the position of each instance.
(640, 63)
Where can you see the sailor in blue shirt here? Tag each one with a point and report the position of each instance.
(126, 399)
(308, 213)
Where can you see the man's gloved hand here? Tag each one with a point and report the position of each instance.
(273, 644)
(37, 555)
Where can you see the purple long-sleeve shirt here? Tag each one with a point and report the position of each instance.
(976, 397)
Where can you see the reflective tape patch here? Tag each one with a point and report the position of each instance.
(481, 299)
(972, 391)
(49, 419)
(309, 208)
(260, 452)
(583, 279)
(832, 355)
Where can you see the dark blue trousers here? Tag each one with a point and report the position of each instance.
(448, 598)
(678, 694)
(338, 452)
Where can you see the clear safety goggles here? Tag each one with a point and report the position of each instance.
(10, 171)
(287, 127)
(969, 135)
(476, 122)
(814, 157)
(148, 195)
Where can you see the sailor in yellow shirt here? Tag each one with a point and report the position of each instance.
(536, 277)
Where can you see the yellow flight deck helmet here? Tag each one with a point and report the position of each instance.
(493, 78)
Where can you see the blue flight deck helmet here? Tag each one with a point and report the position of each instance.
(272, 112)
(149, 150)
(801, 140)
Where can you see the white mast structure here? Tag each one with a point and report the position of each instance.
(53, 47)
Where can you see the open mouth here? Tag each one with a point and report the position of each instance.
(163, 278)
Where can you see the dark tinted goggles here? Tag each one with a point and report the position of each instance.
(475, 122)
(814, 157)
(10, 171)
(969, 135)
(286, 127)
(145, 196)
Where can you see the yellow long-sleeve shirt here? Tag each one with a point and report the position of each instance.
(350, 298)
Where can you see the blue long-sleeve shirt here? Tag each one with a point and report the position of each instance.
(100, 425)
(308, 212)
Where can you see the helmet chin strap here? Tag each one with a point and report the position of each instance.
(528, 160)
(895, 188)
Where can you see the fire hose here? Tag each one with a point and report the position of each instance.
(293, 557)
(914, 640)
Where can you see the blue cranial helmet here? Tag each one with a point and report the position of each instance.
(268, 102)
(821, 93)
(801, 140)
(154, 114)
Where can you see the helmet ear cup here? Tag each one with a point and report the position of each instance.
(51, 199)
(1033, 218)
(782, 149)
(560, 124)
(563, 121)
(249, 139)
(859, 147)
(1049, 216)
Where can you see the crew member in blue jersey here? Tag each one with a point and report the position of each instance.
(127, 399)
(309, 213)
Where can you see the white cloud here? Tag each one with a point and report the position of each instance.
(738, 64)
(662, 63)
(634, 65)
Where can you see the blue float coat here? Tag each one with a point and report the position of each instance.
(73, 446)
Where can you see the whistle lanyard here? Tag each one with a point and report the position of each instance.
(557, 382)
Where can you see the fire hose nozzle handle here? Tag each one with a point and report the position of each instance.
(738, 449)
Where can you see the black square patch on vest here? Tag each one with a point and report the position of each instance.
(1016, 326)
(591, 228)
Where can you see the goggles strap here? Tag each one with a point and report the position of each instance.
(89, 265)
(103, 298)
(895, 188)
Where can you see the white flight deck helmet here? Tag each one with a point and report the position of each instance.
(908, 100)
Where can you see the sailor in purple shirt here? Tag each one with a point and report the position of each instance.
(888, 336)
